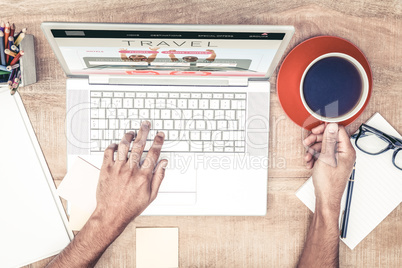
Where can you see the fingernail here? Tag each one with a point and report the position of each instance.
(332, 128)
(146, 124)
(161, 134)
(164, 164)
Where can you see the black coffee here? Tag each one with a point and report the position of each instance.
(332, 87)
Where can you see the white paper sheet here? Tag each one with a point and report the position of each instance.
(377, 189)
(33, 223)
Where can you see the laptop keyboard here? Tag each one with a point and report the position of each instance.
(191, 121)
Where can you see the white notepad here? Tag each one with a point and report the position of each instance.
(376, 192)
(33, 223)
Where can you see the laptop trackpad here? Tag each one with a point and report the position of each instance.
(174, 199)
(180, 174)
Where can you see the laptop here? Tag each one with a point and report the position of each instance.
(205, 86)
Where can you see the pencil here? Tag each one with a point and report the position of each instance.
(345, 220)
(4, 68)
(2, 26)
(12, 30)
(17, 57)
(6, 34)
(9, 52)
(2, 55)
(19, 39)
(15, 48)
(11, 67)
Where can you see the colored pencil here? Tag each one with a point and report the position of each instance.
(9, 52)
(12, 30)
(2, 26)
(15, 48)
(19, 39)
(2, 55)
(6, 34)
(11, 67)
(17, 57)
(4, 68)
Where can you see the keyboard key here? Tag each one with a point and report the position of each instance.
(160, 103)
(141, 95)
(229, 143)
(171, 103)
(130, 94)
(196, 95)
(102, 124)
(176, 114)
(113, 123)
(239, 143)
(187, 114)
(132, 113)
(230, 114)
(176, 146)
(139, 103)
(125, 124)
(240, 96)
(173, 135)
(107, 94)
(222, 124)
(242, 104)
(211, 125)
(108, 134)
(119, 134)
(95, 145)
(149, 103)
(200, 125)
(118, 94)
(205, 135)
(185, 95)
(168, 124)
(152, 95)
(182, 103)
(209, 114)
(228, 95)
(179, 124)
(104, 144)
(143, 113)
(165, 114)
(128, 103)
(135, 124)
(216, 135)
(232, 125)
(227, 135)
(164, 95)
(122, 113)
(111, 113)
(193, 104)
(225, 104)
(190, 124)
(105, 103)
(196, 146)
(219, 114)
(219, 143)
(203, 104)
(240, 149)
(207, 95)
(229, 149)
(174, 95)
(184, 135)
(154, 114)
(195, 135)
(218, 149)
(158, 124)
(94, 113)
(214, 104)
(208, 146)
(95, 102)
(96, 94)
(96, 134)
(217, 95)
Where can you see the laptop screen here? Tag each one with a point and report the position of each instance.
(182, 53)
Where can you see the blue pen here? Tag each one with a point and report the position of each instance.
(346, 212)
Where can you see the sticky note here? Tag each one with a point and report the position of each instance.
(157, 247)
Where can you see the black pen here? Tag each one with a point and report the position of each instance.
(344, 228)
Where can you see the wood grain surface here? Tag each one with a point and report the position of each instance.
(275, 240)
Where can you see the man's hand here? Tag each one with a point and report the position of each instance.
(125, 187)
(333, 156)
(334, 165)
(124, 190)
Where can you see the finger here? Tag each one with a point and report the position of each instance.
(139, 144)
(329, 144)
(124, 146)
(345, 149)
(310, 164)
(108, 156)
(312, 138)
(319, 129)
(153, 153)
(315, 150)
(157, 178)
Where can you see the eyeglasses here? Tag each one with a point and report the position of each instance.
(373, 141)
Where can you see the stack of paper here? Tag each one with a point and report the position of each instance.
(79, 189)
(376, 192)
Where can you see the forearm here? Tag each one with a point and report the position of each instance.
(322, 243)
(89, 244)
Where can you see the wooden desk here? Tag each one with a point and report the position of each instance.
(275, 240)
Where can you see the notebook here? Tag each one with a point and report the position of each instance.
(33, 222)
(205, 86)
(376, 192)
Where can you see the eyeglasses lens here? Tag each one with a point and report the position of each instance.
(371, 143)
(398, 159)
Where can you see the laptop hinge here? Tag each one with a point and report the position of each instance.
(182, 81)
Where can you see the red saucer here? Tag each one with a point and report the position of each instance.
(292, 69)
